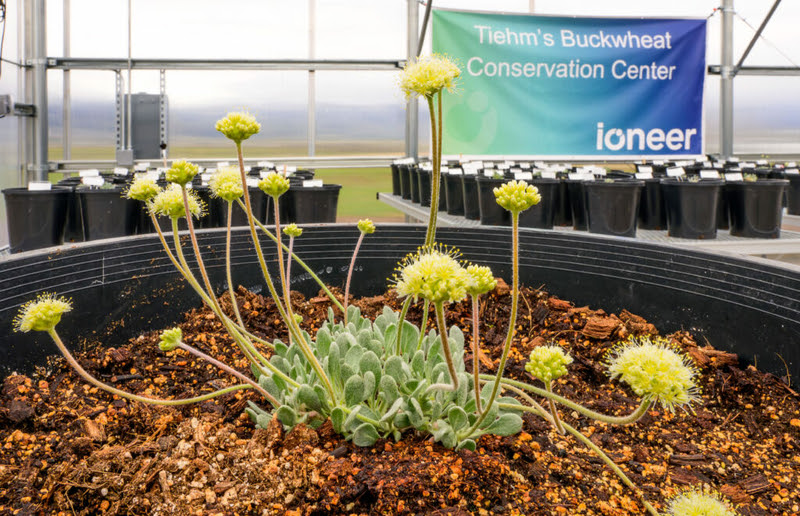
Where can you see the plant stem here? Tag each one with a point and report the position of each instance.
(552, 404)
(425, 308)
(401, 323)
(542, 412)
(634, 416)
(300, 262)
(289, 261)
(476, 364)
(127, 395)
(511, 323)
(193, 236)
(448, 357)
(350, 274)
(430, 235)
(228, 369)
(228, 266)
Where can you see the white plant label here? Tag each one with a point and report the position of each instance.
(644, 175)
(221, 164)
(38, 186)
(675, 172)
(120, 171)
(523, 176)
(548, 174)
(658, 162)
(312, 183)
(252, 181)
(470, 172)
(709, 174)
(734, 176)
(91, 172)
(792, 171)
(645, 170)
(93, 181)
(525, 165)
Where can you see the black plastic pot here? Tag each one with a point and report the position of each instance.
(106, 213)
(405, 181)
(469, 195)
(395, 179)
(540, 216)
(692, 207)
(123, 287)
(442, 186)
(454, 194)
(723, 215)
(414, 173)
(313, 204)
(491, 213)
(652, 210)
(73, 232)
(756, 207)
(563, 209)
(612, 208)
(424, 178)
(258, 203)
(35, 218)
(577, 202)
(793, 194)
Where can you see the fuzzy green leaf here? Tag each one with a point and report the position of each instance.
(354, 391)
(370, 362)
(418, 363)
(507, 424)
(337, 420)
(353, 357)
(323, 342)
(365, 435)
(286, 415)
(394, 409)
(466, 444)
(334, 361)
(394, 367)
(389, 390)
(369, 384)
(457, 418)
(308, 397)
(442, 432)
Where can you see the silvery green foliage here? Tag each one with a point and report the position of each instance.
(380, 393)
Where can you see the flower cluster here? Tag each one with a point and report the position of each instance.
(142, 189)
(274, 185)
(517, 196)
(169, 203)
(292, 230)
(432, 273)
(428, 75)
(482, 280)
(42, 313)
(655, 371)
(226, 184)
(181, 172)
(170, 339)
(696, 503)
(238, 126)
(548, 363)
(366, 226)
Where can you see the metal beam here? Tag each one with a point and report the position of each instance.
(66, 113)
(311, 108)
(424, 26)
(726, 82)
(756, 36)
(759, 70)
(412, 110)
(299, 161)
(38, 169)
(75, 63)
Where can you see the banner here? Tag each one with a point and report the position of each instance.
(573, 87)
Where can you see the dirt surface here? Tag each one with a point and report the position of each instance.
(70, 448)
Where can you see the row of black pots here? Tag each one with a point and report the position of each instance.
(45, 218)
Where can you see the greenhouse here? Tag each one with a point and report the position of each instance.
(399, 257)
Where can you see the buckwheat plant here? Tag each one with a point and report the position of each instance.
(385, 377)
(698, 503)
(428, 77)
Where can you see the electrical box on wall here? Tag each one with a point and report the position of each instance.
(148, 124)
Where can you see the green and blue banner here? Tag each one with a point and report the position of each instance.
(573, 87)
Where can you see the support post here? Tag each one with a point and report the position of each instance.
(312, 79)
(38, 170)
(726, 82)
(67, 91)
(412, 118)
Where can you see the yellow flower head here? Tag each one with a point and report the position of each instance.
(181, 172)
(170, 339)
(548, 363)
(434, 274)
(517, 196)
(428, 75)
(226, 184)
(238, 126)
(169, 203)
(697, 503)
(142, 189)
(274, 185)
(41, 314)
(655, 371)
(482, 280)
(292, 230)
(366, 226)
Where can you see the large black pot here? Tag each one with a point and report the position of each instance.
(453, 194)
(756, 207)
(122, 287)
(652, 210)
(106, 213)
(405, 180)
(313, 204)
(541, 216)
(563, 209)
(424, 178)
(577, 202)
(395, 179)
(36, 218)
(692, 207)
(793, 194)
(492, 214)
(612, 207)
(414, 173)
(469, 195)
